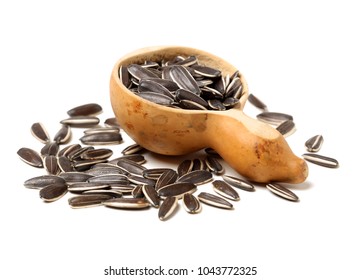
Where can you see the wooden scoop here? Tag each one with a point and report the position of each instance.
(254, 149)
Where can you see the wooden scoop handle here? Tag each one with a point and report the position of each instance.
(254, 149)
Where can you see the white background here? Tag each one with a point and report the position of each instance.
(301, 58)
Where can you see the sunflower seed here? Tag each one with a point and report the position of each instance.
(127, 203)
(42, 181)
(168, 84)
(282, 191)
(321, 160)
(234, 88)
(74, 177)
(155, 173)
(274, 117)
(97, 154)
(191, 105)
(197, 177)
(105, 138)
(67, 151)
(132, 149)
(211, 152)
(191, 203)
(39, 132)
(177, 189)
(314, 144)
(151, 195)
(124, 76)
(88, 200)
(168, 177)
(156, 98)
(168, 206)
(63, 135)
(109, 179)
(95, 130)
(214, 165)
(105, 170)
(89, 109)
(225, 190)
(53, 192)
(111, 192)
(50, 149)
(183, 94)
(286, 128)
(216, 104)
(230, 102)
(124, 189)
(81, 121)
(140, 72)
(85, 164)
(256, 102)
(198, 164)
(189, 61)
(65, 164)
(206, 71)
(152, 86)
(137, 158)
(76, 154)
(131, 166)
(112, 122)
(214, 200)
(184, 167)
(141, 180)
(51, 164)
(87, 186)
(238, 183)
(30, 157)
(137, 192)
(181, 76)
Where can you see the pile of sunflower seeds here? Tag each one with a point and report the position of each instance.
(182, 83)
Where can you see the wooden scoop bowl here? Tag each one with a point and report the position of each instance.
(254, 149)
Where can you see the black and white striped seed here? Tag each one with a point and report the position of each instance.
(167, 207)
(238, 183)
(282, 191)
(89, 109)
(214, 200)
(224, 189)
(321, 160)
(39, 132)
(30, 157)
(314, 144)
(53, 192)
(191, 203)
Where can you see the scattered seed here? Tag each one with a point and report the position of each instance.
(137, 192)
(50, 149)
(88, 200)
(274, 117)
(214, 165)
(39, 132)
(321, 160)
(197, 177)
(286, 128)
(185, 167)
(166, 178)
(151, 195)
(238, 183)
(167, 207)
(53, 192)
(255, 101)
(105, 138)
(225, 190)
(42, 181)
(191, 203)
(30, 157)
(63, 135)
(155, 173)
(314, 144)
(282, 191)
(127, 203)
(131, 166)
(81, 121)
(65, 165)
(112, 122)
(51, 164)
(95, 130)
(74, 177)
(87, 186)
(141, 180)
(109, 179)
(132, 149)
(90, 109)
(177, 189)
(97, 154)
(214, 200)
